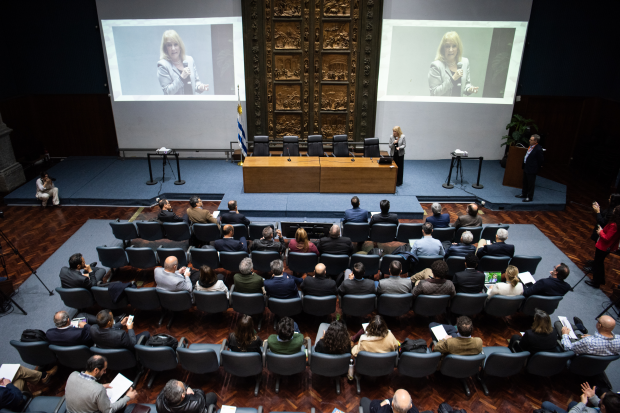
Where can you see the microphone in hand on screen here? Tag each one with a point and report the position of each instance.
(188, 79)
(459, 70)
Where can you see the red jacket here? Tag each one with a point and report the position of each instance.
(608, 238)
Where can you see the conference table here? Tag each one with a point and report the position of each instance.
(275, 174)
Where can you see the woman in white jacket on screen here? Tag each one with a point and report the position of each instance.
(176, 71)
(449, 73)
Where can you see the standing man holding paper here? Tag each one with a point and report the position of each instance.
(11, 388)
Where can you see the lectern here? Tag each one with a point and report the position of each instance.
(513, 175)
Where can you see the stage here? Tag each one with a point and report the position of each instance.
(110, 181)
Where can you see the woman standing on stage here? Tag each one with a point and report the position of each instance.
(397, 151)
(608, 242)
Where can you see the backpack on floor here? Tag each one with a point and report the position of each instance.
(160, 340)
(29, 336)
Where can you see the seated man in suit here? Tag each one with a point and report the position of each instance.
(356, 284)
(471, 219)
(107, 334)
(65, 334)
(463, 248)
(438, 219)
(176, 397)
(459, 340)
(288, 340)
(384, 216)
(469, 281)
(427, 245)
(281, 285)
(233, 216)
(319, 285)
(246, 281)
(603, 343)
(552, 286)
(170, 279)
(400, 403)
(438, 285)
(268, 243)
(197, 215)
(228, 242)
(166, 213)
(11, 390)
(71, 277)
(499, 248)
(396, 283)
(355, 214)
(335, 244)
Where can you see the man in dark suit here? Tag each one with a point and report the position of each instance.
(65, 334)
(499, 248)
(463, 248)
(228, 243)
(166, 214)
(335, 244)
(471, 219)
(107, 334)
(356, 284)
(532, 163)
(281, 285)
(233, 216)
(553, 286)
(469, 281)
(268, 243)
(384, 216)
(438, 219)
(319, 285)
(355, 214)
(71, 277)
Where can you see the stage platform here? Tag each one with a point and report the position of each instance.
(110, 181)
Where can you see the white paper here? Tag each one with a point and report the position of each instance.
(365, 325)
(526, 277)
(566, 323)
(216, 214)
(522, 333)
(120, 385)
(374, 213)
(411, 241)
(228, 409)
(8, 371)
(76, 321)
(439, 331)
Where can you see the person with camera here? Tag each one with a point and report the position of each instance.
(46, 189)
(176, 397)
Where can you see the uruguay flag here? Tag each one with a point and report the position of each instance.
(243, 141)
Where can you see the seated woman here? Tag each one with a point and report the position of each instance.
(541, 337)
(288, 340)
(209, 282)
(244, 338)
(301, 243)
(512, 286)
(334, 339)
(378, 339)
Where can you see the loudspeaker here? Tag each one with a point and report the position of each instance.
(6, 286)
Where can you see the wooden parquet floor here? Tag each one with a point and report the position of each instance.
(38, 233)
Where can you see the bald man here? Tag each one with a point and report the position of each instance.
(400, 403)
(603, 343)
(335, 244)
(471, 219)
(319, 284)
(170, 279)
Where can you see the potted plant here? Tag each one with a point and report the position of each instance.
(521, 129)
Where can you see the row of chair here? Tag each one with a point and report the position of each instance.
(340, 146)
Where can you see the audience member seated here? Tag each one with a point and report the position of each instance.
(335, 244)
(356, 284)
(463, 248)
(512, 286)
(197, 215)
(459, 340)
(107, 334)
(170, 279)
(471, 219)
(71, 277)
(11, 390)
(301, 243)
(176, 397)
(469, 281)
(499, 248)
(281, 285)
(228, 242)
(438, 285)
(319, 285)
(209, 281)
(84, 393)
(427, 245)
(246, 281)
(396, 283)
(333, 338)
(65, 334)
(355, 214)
(288, 340)
(438, 219)
(245, 339)
(400, 403)
(541, 337)
(376, 339)
(608, 403)
(267, 243)
(384, 217)
(552, 286)
(46, 189)
(166, 213)
(603, 343)
(233, 216)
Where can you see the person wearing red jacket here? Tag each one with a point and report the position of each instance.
(607, 242)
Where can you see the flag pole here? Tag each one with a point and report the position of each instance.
(240, 163)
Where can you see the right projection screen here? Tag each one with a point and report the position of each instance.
(448, 74)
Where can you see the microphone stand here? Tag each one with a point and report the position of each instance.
(289, 153)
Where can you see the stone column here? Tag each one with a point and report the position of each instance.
(11, 171)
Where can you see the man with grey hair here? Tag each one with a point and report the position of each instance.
(170, 279)
(177, 398)
(334, 243)
(499, 248)
(438, 219)
(246, 281)
(267, 242)
(67, 335)
(463, 248)
(281, 285)
(400, 403)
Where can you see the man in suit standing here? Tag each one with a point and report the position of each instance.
(355, 214)
(71, 277)
(427, 245)
(532, 163)
(552, 286)
(229, 243)
(356, 284)
(281, 285)
(197, 215)
(463, 248)
(319, 285)
(438, 219)
(65, 334)
(233, 216)
(469, 281)
(384, 217)
(166, 214)
(268, 243)
(500, 248)
(335, 244)
(395, 284)
(107, 334)
(471, 219)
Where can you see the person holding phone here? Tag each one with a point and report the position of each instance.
(177, 71)
(608, 241)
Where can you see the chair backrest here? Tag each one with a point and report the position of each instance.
(357, 231)
(408, 231)
(261, 146)
(489, 231)
(249, 304)
(211, 301)
(177, 231)
(335, 264)
(255, 229)
(242, 364)
(588, 365)
(468, 304)
(285, 307)
(112, 257)
(383, 232)
(240, 230)
(547, 304)
(444, 234)
(493, 264)
(455, 264)
(206, 232)
(430, 305)
(329, 365)
(261, 260)
(425, 261)
(475, 231)
(145, 298)
(315, 145)
(157, 358)
(286, 364)
(43, 404)
(371, 148)
(394, 305)
(547, 364)
(200, 256)
(358, 305)
(74, 357)
(302, 261)
(150, 231)
(526, 263)
(502, 305)
(230, 260)
(175, 300)
(371, 263)
(199, 359)
(102, 297)
(375, 364)
(118, 358)
(36, 353)
(75, 297)
(461, 367)
(387, 259)
(179, 253)
(319, 306)
(505, 363)
(418, 364)
(142, 257)
(341, 145)
(290, 146)
(125, 231)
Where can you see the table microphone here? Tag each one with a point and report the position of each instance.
(352, 160)
(289, 153)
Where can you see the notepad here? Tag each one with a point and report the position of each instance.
(8, 371)
(228, 409)
(374, 213)
(216, 214)
(566, 323)
(119, 386)
(440, 332)
(526, 278)
(365, 325)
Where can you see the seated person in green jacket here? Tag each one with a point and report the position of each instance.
(246, 281)
(288, 340)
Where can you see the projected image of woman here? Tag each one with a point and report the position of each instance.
(449, 74)
(176, 70)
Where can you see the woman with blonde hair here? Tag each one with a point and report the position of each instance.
(301, 243)
(449, 73)
(512, 286)
(397, 151)
(377, 338)
(177, 71)
(541, 337)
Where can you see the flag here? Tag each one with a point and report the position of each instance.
(243, 141)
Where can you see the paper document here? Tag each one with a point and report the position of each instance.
(228, 409)
(566, 323)
(365, 325)
(439, 331)
(8, 371)
(411, 241)
(526, 277)
(76, 321)
(216, 214)
(522, 333)
(119, 386)
(374, 213)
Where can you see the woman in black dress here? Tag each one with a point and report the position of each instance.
(541, 337)
(244, 338)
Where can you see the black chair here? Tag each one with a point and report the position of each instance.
(112, 257)
(119, 359)
(142, 257)
(374, 365)
(145, 298)
(444, 234)
(230, 260)
(357, 231)
(547, 304)
(206, 233)
(430, 305)
(174, 301)
(288, 307)
(468, 304)
(587, 365)
(330, 365)
(250, 304)
(177, 231)
(36, 353)
(74, 357)
(78, 298)
(261, 260)
(418, 364)
(383, 232)
(371, 148)
(200, 358)
(358, 305)
(287, 364)
(455, 264)
(125, 231)
(43, 404)
(489, 231)
(240, 230)
(179, 253)
(526, 263)
(102, 297)
(315, 146)
(425, 261)
(156, 359)
(475, 231)
(150, 231)
(211, 302)
(261, 146)
(290, 146)
(371, 263)
(461, 367)
(408, 231)
(244, 365)
(201, 256)
(387, 259)
(501, 362)
(319, 306)
(394, 305)
(302, 262)
(256, 230)
(547, 364)
(334, 264)
(502, 305)
(493, 264)
(341, 146)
